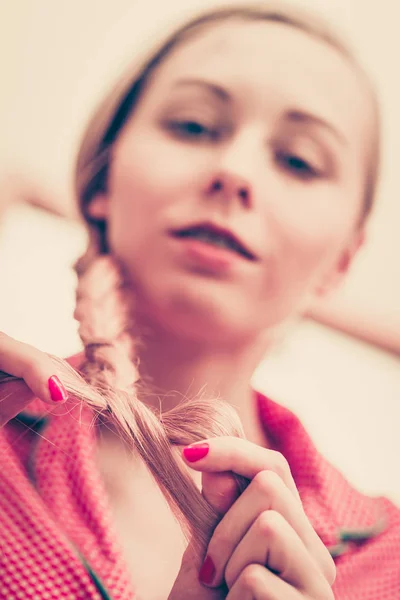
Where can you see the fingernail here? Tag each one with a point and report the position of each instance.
(207, 571)
(58, 392)
(193, 453)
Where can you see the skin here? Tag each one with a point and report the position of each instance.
(264, 526)
(301, 226)
(299, 218)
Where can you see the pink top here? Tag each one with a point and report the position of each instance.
(51, 493)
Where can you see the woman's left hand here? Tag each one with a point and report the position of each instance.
(264, 547)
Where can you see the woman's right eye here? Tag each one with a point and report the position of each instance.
(191, 129)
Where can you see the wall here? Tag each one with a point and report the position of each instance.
(57, 57)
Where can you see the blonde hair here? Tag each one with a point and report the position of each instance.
(104, 309)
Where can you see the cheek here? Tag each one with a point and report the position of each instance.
(154, 167)
(151, 186)
(136, 180)
(311, 246)
(152, 181)
(140, 186)
(308, 242)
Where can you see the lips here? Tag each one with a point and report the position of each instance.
(217, 232)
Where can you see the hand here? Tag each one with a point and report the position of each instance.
(264, 547)
(25, 373)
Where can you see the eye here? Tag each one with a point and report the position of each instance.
(298, 166)
(191, 129)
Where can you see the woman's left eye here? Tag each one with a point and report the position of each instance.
(298, 166)
(191, 129)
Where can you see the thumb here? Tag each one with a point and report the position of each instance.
(187, 585)
(220, 490)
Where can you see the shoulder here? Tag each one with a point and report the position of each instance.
(369, 568)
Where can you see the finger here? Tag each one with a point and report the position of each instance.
(220, 490)
(272, 543)
(257, 583)
(36, 378)
(36, 368)
(14, 355)
(187, 585)
(14, 396)
(228, 453)
(265, 492)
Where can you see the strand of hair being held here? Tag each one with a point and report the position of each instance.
(110, 369)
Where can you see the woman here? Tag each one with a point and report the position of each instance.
(223, 189)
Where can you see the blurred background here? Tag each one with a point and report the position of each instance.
(339, 369)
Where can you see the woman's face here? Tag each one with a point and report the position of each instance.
(263, 130)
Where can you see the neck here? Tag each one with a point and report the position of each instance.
(173, 369)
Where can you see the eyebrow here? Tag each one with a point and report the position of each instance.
(300, 116)
(293, 115)
(214, 88)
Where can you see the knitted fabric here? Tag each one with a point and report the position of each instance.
(57, 540)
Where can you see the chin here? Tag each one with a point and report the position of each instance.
(194, 308)
(190, 317)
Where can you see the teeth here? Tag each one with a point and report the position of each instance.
(212, 238)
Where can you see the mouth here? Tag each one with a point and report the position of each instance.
(215, 235)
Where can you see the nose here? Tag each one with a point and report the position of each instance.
(229, 186)
(236, 168)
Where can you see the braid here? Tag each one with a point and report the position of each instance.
(104, 324)
(110, 369)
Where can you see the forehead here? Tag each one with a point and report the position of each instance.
(274, 63)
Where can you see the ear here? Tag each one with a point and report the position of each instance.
(343, 264)
(98, 207)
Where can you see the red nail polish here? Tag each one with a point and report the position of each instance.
(58, 392)
(207, 571)
(193, 453)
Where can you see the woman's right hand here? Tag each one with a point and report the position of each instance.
(26, 373)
